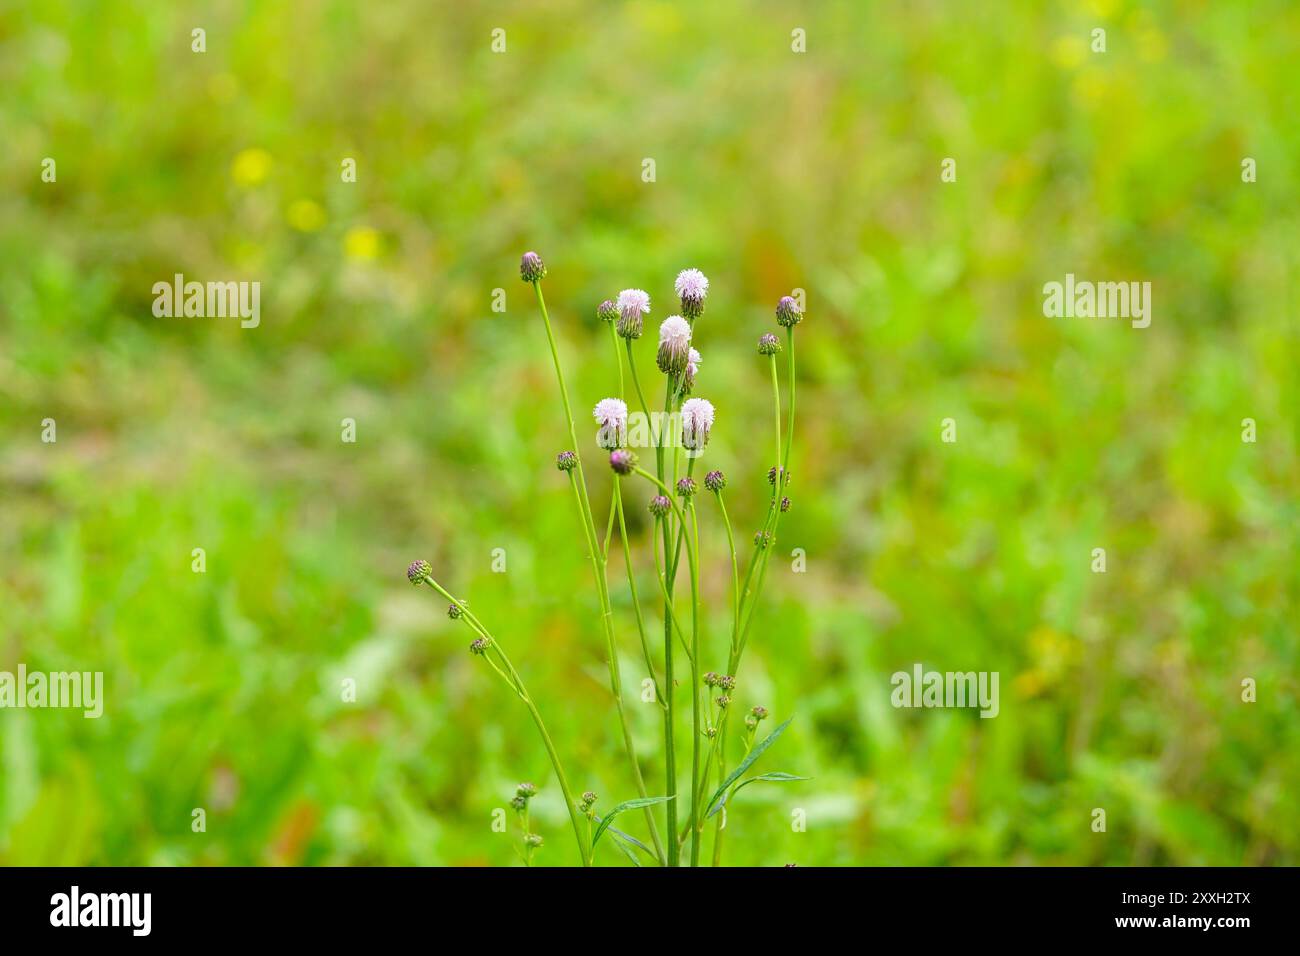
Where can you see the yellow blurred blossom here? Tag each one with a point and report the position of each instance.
(305, 215)
(361, 242)
(251, 166)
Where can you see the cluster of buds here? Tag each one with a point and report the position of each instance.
(753, 717)
(720, 681)
(777, 471)
(588, 801)
(523, 793)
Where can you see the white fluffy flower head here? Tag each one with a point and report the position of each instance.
(633, 300)
(691, 283)
(675, 332)
(611, 416)
(697, 422)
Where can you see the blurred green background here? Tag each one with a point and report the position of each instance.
(774, 170)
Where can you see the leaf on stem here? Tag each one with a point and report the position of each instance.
(745, 765)
(774, 775)
(636, 804)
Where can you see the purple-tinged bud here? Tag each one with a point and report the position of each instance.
(531, 267)
(566, 461)
(785, 505)
(686, 487)
(418, 571)
(622, 461)
(607, 311)
(710, 679)
(762, 539)
(768, 344)
(760, 713)
(715, 481)
(772, 474)
(692, 286)
(726, 682)
(723, 702)
(788, 312)
(454, 611)
(674, 345)
(660, 505)
(480, 646)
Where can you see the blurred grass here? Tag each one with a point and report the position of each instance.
(774, 170)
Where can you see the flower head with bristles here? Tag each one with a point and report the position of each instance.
(768, 344)
(686, 487)
(788, 312)
(418, 571)
(697, 422)
(622, 461)
(611, 416)
(692, 286)
(674, 345)
(566, 461)
(660, 505)
(607, 311)
(631, 305)
(692, 369)
(531, 267)
(715, 481)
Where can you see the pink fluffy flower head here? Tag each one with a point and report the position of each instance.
(692, 286)
(693, 361)
(611, 416)
(631, 305)
(674, 345)
(697, 422)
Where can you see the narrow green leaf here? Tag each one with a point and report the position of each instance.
(625, 805)
(626, 852)
(775, 775)
(747, 763)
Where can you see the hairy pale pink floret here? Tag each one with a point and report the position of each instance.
(675, 331)
(691, 284)
(697, 416)
(693, 362)
(633, 300)
(611, 413)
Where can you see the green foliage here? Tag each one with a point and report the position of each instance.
(775, 170)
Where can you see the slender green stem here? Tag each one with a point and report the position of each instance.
(584, 850)
(670, 685)
(695, 689)
(636, 601)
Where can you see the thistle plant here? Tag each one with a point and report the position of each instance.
(675, 819)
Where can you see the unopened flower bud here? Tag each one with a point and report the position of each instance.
(526, 790)
(759, 713)
(607, 311)
(723, 701)
(710, 679)
(531, 267)
(772, 474)
(785, 504)
(519, 803)
(715, 481)
(685, 487)
(751, 724)
(453, 611)
(533, 840)
(660, 505)
(418, 571)
(622, 461)
(480, 646)
(762, 539)
(768, 344)
(727, 682)
(788, 312)
(566, 461)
